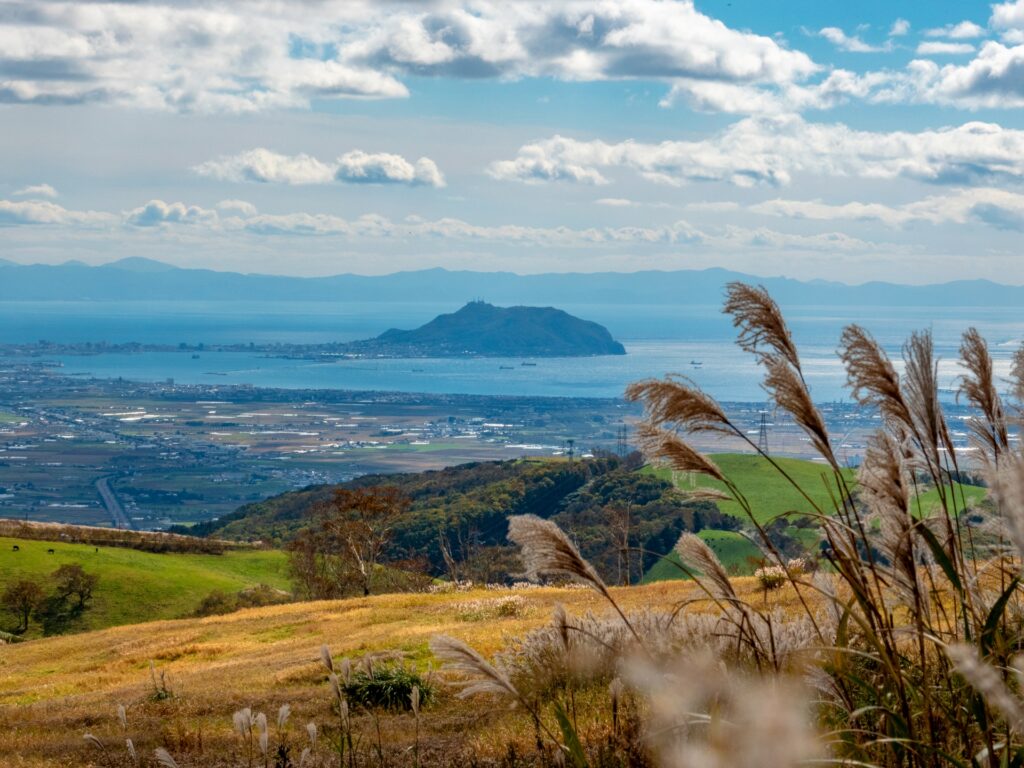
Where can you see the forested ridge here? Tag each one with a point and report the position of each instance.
(621, 518)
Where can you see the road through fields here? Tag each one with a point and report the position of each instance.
(117, 515)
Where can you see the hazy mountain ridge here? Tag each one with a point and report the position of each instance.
(135, 279)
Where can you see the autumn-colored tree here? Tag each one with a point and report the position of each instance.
(22, 598)
(73, 580)
(339, 552)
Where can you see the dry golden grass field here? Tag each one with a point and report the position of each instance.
(53, 690)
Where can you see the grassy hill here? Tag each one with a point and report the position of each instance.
(138, 586)
(732, 548)
(54, 689)
(768, 492)
(772, 495)
(972, 494)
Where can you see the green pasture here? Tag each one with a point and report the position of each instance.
(137, 586)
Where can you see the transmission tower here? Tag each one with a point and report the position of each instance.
(622, 448)
(762, 435)
(570, 448)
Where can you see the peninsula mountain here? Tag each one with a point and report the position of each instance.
(480, 329)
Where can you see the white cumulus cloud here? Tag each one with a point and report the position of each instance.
(999, 208)
(241, 207)
(223, 56)
(965, 30)
(993, 78)
(20, 212)
(263, 165)
(384, 168)
(943, 48)
(36, 190)
(899, 28)
(157, 212)
(771, 150)
(849, 43)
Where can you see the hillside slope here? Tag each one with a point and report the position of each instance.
(479, 494)
(773, 498)
(469, 505)
(53, 690)
(137, 586)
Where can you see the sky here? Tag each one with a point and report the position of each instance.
(847, 141)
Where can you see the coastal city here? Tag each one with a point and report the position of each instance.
(152, 455)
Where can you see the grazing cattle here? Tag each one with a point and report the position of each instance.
(16, 548)
(49, 551)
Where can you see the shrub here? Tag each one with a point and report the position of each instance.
(771, 576)
(217, 603)
(386, 686)
(262, 594)
(506, 607)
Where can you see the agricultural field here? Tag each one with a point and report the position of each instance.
(8, 417)
(138, 586)
(179, 455)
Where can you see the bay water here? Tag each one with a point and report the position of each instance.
(694, 340)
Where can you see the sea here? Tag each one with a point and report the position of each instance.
(696, 341)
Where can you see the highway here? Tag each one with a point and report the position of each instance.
(113, 506)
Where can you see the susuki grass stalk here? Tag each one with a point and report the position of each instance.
(907, 677)
(414, 704)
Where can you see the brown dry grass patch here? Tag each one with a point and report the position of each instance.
(54, 689)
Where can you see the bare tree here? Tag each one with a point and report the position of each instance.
(620, 523)
(21, 598)
(339, 553)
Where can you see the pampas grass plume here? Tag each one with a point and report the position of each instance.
(484, 677)
(694, 552)
(546, 550)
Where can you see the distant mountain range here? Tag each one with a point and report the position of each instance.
(148, 280)
(480, 329)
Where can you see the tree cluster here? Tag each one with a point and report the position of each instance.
(72, 589)
(371, 536)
